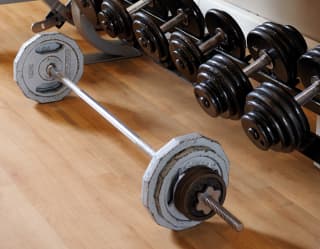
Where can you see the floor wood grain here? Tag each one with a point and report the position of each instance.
(69, 180)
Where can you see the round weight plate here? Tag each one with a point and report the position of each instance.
(309, 66)
(196, 23)
(279, 36)
(33, 59)
(274, 120)
(185, 54)
(259, 40)
(195, 181)
(150, 37)
(238, 81)
(296, 39)
(115, 20)
(168, 165)
(229, 86)
(235, 42)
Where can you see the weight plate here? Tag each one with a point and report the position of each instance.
(115, 20)
(229, 88)
(235, 42)
(271, 99)
(288, 52)
(259, 40)
(170, 163)
(274, 120)
(295, 43)
(195, 181)
(300, 124)
(151, 39)
(33, 59)
(234, 86)
(296, 39)
(186, 55)
(309, 66)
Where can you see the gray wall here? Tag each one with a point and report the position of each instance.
(303, 14)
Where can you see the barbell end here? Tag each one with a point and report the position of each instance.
(225, 214)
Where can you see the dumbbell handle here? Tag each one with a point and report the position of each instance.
(138, 6)
(133, 137)
(212, 42)
(226, 215)
(181, 17)
(263, 61)
(309, 93)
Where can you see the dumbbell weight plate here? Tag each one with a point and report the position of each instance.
(150, 38)
(114, 7)
(309, 66)
(235, 44)
(277, 120)
(234, 84)
(277, 35)
(168, 166)
(293, 42)
(32, 60)
(258, 40)
(186, 54)
(297, 40)
(230, 85)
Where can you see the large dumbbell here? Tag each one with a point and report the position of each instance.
(223, 86)
(225, 34)
(116, 19)
(152, 37)
(186, 180)
(273, 118)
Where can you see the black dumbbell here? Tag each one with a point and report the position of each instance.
(152, 37)
(223, 86)
(224, 33)
(273, 118)
(116, 20)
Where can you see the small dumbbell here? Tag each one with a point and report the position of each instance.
(152, 37)
(225, 34)
(273, 118)
(223, 86)
(116, 20)
(185, 182)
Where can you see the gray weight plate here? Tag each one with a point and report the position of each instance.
(33, 59)
(168, 166)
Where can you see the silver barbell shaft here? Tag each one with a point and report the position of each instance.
(133, 137)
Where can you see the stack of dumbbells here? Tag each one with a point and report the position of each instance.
(210, 51)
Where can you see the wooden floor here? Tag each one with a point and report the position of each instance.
(69, 180)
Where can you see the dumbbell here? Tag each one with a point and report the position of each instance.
(152, 37)
(225, 34)
(222, 86)
(115, 19)
(186, 180)
(273, 118)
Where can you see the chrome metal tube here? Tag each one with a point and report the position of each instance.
(133, 137)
